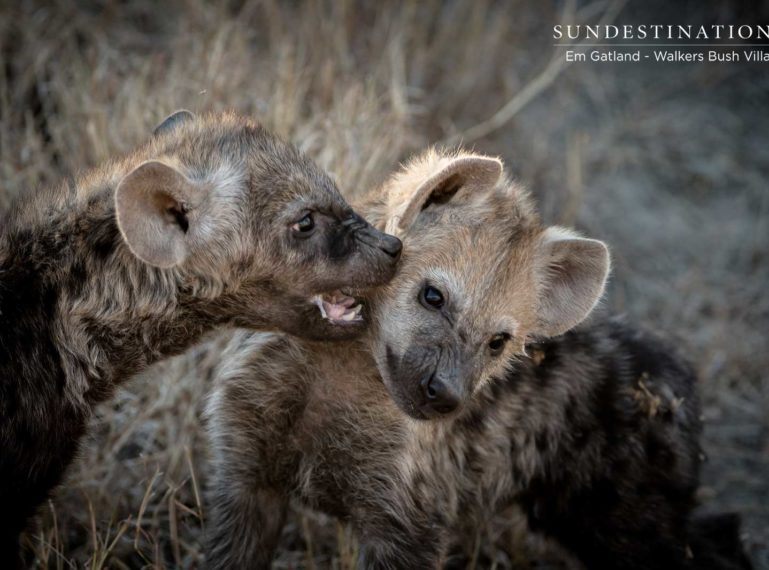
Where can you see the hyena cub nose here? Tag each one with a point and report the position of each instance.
(372, 237)
(391, 245)
(440, 397)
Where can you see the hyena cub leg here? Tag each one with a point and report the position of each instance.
(247, 490)
(246, 514)
(386, 552)
(396, 534)
(244, 525)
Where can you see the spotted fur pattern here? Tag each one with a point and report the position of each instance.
(594, 436)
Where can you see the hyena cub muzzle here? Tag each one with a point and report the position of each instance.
(213, 222)
(592, 432)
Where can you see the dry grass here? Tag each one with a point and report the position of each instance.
(668, 163)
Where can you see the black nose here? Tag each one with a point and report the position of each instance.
(371, 236)
(391, 245)
(439, 396)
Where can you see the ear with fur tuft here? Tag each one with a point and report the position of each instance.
(151, 206)
(172, 121)
(572, 272)
(459, 173)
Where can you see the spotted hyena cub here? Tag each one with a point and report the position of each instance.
(213, 222)
(592, 433)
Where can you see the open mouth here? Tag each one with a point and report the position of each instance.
(339, 308)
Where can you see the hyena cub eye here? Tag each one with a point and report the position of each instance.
(305, 227)
(431, 298)
(497, 343)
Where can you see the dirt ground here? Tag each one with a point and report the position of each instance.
(669, 163)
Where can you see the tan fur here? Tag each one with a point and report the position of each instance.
(502, 270)
(145, 201)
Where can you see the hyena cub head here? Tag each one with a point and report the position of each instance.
(479, 277)
(226, 204)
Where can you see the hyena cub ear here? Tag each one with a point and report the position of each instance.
(448, 178)
(152, 205)
(571, 272)
(172, 121)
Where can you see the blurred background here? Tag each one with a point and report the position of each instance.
(669, 163)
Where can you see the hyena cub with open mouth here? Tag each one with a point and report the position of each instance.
(212, 223)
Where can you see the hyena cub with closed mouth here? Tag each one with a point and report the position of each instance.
(480, 278)
(213, 222)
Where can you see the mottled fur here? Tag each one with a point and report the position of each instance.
(80, 313)
(572, 440)
(593, 434)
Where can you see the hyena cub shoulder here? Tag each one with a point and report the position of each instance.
(212, 222)
(464, 398)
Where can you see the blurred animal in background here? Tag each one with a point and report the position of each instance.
(213, 222)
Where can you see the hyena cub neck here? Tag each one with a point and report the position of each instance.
(480, 278)
(212, 222)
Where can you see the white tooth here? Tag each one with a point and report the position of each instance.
(319, 302)
(357, 309)
(349, 316)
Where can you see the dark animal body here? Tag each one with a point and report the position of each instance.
(594, 436)
(197, 229)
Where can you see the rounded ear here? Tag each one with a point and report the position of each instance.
(454, 177)
(172, 121)
(572, 273)
(151, 206)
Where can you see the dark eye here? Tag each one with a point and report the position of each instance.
(431, 297)
(497, 343)
(304, 226)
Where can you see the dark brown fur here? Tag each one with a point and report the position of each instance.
(80, 313)
(598, 444)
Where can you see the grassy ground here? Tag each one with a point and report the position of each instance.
(669, 163)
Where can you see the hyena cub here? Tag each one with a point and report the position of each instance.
(564, 434)
(213, 222)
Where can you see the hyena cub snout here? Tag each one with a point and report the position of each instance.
(480, 279)
(439, 394)
(433, 369)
